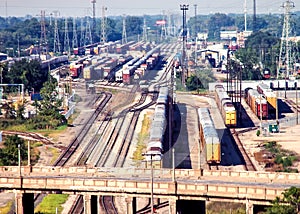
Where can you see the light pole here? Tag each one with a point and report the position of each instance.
(151, 165)
(184, 8)
(19, 158)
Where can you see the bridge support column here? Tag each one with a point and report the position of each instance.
(172, 206)
(249, 207)
(24, 203)
(130, 205)
(87, 204)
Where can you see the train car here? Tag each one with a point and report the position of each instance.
(257, 103)
(225, 106)
(209, 137)
(163, 96)
(270, 95)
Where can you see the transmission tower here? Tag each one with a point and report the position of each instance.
(81, 33)
(254, 15)
(56, 42)
(43, 39)
(285, 46)
(169, 24)
(145, 30)
(124, 35)
(103, 25)
(66, 40)
(88, 33)
(94, 19)
(74, 41)
(163, 34)
(245, 14)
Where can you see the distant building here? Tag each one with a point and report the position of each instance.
(3, 56)
(227, 35)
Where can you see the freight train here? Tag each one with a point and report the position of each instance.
(138, 67)
(257, 103)
(158, 127)
(209, 137)
(225, 106)
(54, 62)
(269, 94)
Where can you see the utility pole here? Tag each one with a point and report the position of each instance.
(124, 34)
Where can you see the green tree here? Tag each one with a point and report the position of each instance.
(49, 107)
(288, 204)
(9, 153)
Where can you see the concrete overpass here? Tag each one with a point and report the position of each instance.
(251, 188)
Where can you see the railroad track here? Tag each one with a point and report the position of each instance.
(66, 155)
(248, 162)
(293, 105)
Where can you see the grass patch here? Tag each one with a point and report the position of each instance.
(141, 144)
(6, 208)
(55, 154)
(50, 203)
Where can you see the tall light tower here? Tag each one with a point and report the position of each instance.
(184, 8)
(94, 20)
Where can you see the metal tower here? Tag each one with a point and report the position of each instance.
(66, 40)
(43, 39)
(88, 33)
(145, 30)
(285, 45)
(195, 33)
(81, 33)
(184, 8)
(94, 20)
(74, 41)
(163, 34)
(103, 25)
(124, 35)
(56, 43)
(254, 15)
(169, 24)
(245, 15)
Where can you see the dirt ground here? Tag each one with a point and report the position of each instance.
(288, 138)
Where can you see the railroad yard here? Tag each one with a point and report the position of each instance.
(110, 119)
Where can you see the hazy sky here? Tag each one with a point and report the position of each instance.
(76, 8)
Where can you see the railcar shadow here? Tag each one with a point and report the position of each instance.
(180, 141)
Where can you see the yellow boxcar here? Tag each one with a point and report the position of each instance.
(213, 152)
